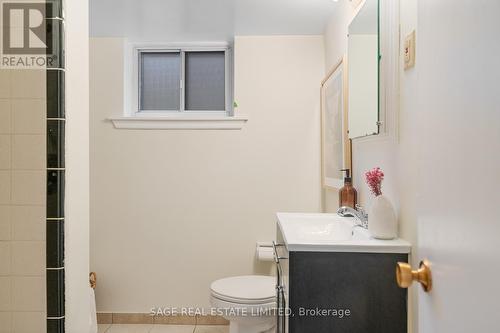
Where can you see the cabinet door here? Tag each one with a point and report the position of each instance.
(358, 289)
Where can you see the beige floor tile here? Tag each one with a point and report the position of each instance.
(175, 320)
(212, 329)
(5, 151)
(129, 328)
(28, 152)
(103, 328)
(172, 329)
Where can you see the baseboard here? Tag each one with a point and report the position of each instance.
(144, 318)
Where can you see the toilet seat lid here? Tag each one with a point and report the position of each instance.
(245, 289)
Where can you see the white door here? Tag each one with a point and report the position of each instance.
(458, 66)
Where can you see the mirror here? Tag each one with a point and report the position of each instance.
(363, 57)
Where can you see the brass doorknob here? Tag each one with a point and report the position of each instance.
(93, 280)
(405, 275)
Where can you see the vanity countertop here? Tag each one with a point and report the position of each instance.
(316, 232)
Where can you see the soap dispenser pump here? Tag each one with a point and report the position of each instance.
(348, 196)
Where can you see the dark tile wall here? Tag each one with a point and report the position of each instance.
(55, 243)
(55, 325)
(55, 193)
(55, 94)
(55, 143)
(55, 166)
(55, 293)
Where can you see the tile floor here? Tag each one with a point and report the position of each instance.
(148, 328)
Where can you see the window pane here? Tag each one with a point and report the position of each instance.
(160, 81)
(205, 81)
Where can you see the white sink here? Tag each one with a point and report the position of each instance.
(332, 233)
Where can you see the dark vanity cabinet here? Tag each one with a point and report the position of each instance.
(339, 292)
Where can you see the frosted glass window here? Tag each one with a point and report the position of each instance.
(205, 81)
(160, 76)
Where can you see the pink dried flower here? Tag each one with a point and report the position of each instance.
(374, 180)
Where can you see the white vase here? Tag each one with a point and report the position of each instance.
(382, 222)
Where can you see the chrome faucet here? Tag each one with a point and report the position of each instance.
(359, 214)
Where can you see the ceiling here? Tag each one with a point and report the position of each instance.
(179, 20)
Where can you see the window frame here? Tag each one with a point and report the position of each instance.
(181, 48)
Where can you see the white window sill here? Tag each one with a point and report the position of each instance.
(180, 122)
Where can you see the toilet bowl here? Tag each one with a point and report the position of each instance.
(248, 302)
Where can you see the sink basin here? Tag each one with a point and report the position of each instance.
(332, 233)
(322, 228)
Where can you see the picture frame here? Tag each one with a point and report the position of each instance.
(335, 143)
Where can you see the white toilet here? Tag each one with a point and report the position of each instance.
(247, 302)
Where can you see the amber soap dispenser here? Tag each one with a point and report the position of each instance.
(348, 196)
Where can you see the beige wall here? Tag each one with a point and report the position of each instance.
(171, 211)
(22, 200)
(396, 156)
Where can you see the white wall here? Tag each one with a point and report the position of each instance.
(336, 32)
(409, 136)
(172, 211)
(77, 167)
(395, 155)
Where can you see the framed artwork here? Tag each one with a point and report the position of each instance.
(335, 143)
